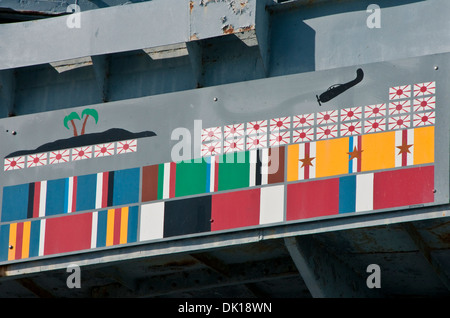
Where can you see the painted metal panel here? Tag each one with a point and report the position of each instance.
(209, 160)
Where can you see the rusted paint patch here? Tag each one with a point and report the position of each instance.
(228, 29)
(193, 37)
(191, 6)
(237, 6)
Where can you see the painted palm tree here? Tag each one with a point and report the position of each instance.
(89, 112)
(70, 118)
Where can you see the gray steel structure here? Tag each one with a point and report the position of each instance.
(205, 59)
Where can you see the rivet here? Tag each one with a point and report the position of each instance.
(11, 247)
(215, 99)
(436, 67)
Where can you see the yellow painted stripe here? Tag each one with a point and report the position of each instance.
(331, 157)
(292, 162)
(378, 151)
(26, 239)
(424, 145)
(124, 225)
(110, 228)
(12, 241)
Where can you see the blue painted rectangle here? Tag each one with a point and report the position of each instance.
(56, 201)
(15, 203)
(126, 186)
(86, 192)
(347, 194)
(132, 224)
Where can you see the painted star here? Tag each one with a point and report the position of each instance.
(355, 154)
(307, 161)
(404, 148)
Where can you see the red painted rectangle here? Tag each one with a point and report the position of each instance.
(312, 199)
(19, 240)
(36, 199)
(403, 187)
(68, 233)
(117, 221)
(235, 209)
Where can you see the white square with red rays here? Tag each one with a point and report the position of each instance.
(280, 138)
(233, 131)
(126, 146)
(36, 160)
(257, 127)
(399, 92)
(14, 163)
(424, 119)
(352, 113)
(302, 135)
(281, 123)
(326, 132)
(373, 111)
(303, 121)
(82, 153)
(400, 107)
(59, 156)
(210, 134)
(327, 117)
(234, 144)
(424, 104)
(351, 128)
(103, 150)
(256, 142)
(211, 148)
(399, 122)
(423, 89)
(374, 125)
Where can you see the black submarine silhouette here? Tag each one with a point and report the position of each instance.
(337, 89)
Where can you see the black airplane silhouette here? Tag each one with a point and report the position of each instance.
(337, 89)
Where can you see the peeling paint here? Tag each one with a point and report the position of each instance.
(237, 6)
(228, 29)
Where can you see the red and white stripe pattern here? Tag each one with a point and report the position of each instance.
(404, 143)
(399, 122)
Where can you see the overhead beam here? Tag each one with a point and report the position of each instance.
(323, 273)
(425, 250)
